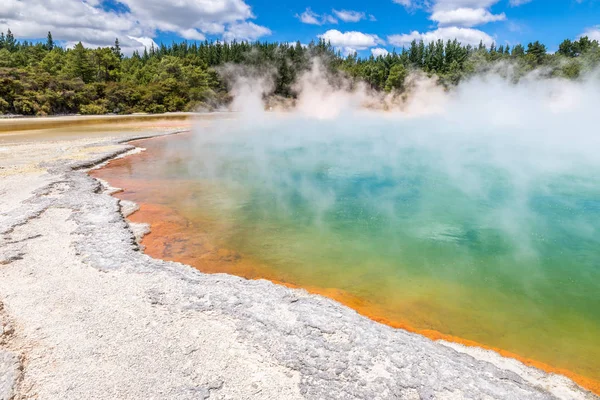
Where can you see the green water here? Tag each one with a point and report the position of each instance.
(490, 238)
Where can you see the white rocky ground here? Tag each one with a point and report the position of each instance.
(85, 315)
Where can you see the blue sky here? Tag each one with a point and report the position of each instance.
(548, 20)
(351, 25)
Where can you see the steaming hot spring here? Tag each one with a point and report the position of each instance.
(478, 224)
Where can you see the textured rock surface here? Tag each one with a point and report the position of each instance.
(10, 364)
(92, 317)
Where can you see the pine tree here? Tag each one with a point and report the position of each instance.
(428, 57)
(438, 56)
(537, 52)
(566, 48)
(583, 45)
(49, 42)
(420, 53)
(413, 55)
(10, 42)
(518, 51)
(116, 49)
(80, 64)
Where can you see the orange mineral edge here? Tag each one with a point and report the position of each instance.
(166, 224)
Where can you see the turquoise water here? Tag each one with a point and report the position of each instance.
(485, 235)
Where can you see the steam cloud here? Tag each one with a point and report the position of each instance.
(503, 147)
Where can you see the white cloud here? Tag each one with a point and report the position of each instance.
(245, 31)
(516, 3)
(128, 44)
(446, 5)
(455, 20)
(145, 42)
(349, 16)
(347, 51)
(379, 52)
(186, 14)
(192, 34)
(309, 17)
(592, 33)
(405, 3)
(464, 35)
(312, 18)
(441, 5)
(353, 39)
(329, 19)
(293, 44)
(466, 17)
(88, 21)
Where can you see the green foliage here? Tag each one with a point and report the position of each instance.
(116, 50)
(10, 43)
(49, 42)
(566, 48)
(536, 53)
(396, 78)
(79, 64)
(96, 108)
(571, 70)
(45, 79)
(518, 51)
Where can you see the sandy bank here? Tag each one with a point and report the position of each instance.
(85, 314)
(11, 125)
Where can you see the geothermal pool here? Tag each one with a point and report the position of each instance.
(469, 234)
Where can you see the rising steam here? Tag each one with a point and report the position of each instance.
(494, 141)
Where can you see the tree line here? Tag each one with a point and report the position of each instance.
(43, 78)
